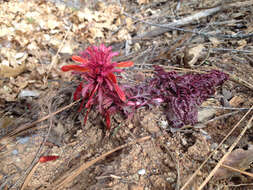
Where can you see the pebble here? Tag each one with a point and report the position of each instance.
(15, 152)
(141, 171)
(28, 93)
(23, 140)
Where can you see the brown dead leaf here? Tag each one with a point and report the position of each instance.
(142, 2)
(7, 71)
(242, 44)
(68, 47)
(136, 187)
(96, 33)
(195, 53)
(87, 14)
(5, 122)
(20, 82)
(239, 159)
(7, 93)
(205, 114)
(123, 34)
(236, 101)
(6, 31)
(129, 24)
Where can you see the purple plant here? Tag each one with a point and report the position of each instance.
(181, 94)
(99, 86)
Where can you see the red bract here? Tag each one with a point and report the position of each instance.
(47, 158)
(99, 85)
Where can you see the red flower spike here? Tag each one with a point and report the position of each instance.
(91, 96)
(120, 92)
(81, 106)
(99, 87)
(125, 64)
(44, 159)
(108, 121)
(112, 77)
(74, 68)
(79, 59)
(77, 94)
(86, 116)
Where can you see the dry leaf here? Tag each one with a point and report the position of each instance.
(242, 44)
(5, 122)
(123, 34)
(195, 52)
(7, 94)
(7, 71)
(6, 31)
(239, 159)
(236, 101)
(129, 24)
(142, 2)
(205, 114)
(68, 47)
(88, 15)
(96, 33)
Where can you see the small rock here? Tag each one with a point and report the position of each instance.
(183, 141)
(171, 177)
(205, 134)
(23, 140)
(214, 146)
(15, 152)
(164, 124)
(141, 171)
(19, 55)
(28, 93)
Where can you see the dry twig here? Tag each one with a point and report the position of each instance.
(237, 170)
(29, 176)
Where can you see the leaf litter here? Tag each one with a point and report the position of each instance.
(33, 32)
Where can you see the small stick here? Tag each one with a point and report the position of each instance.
(237, 170)
(29, 176)
(59, 49)
(216, 118)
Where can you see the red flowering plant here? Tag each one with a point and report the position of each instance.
(99, 86)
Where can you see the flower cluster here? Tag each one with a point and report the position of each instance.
(99, 86)
(181, 94)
